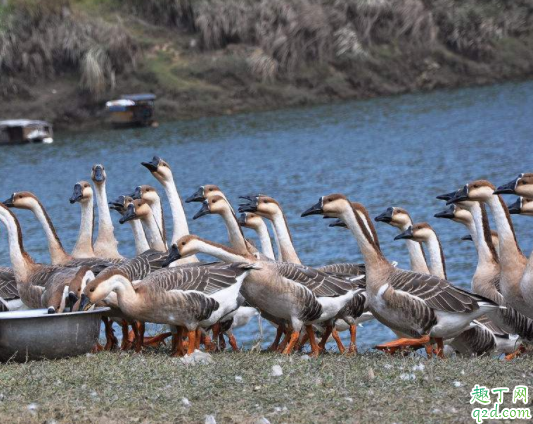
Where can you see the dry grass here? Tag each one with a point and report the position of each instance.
(126, 388)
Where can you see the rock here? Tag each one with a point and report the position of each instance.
(262, 420)
(407, 376)
(197, 358)
(457, 383)
(210, 419)
(185, 402)
(276, 371)
(238, 379)
(419, 367)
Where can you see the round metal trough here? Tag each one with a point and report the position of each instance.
(35, 334)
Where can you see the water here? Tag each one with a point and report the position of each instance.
(399, 151)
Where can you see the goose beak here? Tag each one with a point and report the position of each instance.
(516, 207)
(250, 205)
(446, 196)
(407, 234)
(77, 194)
(173, 255)
(459, 196)
(72, 298)
(10, 202)
(467, 238)
(137, 193)
(385, 216)
(204, 210)
(338, 223)
(153, 165)
(51, 310)
(197, 196)
(118, 204)
(85, 303)
(508, 188)
(316, 209)
(128, 215)
(448, 213)
(98, 174)
(242, 219)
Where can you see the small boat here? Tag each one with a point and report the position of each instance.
(20, 131)
(132, 110)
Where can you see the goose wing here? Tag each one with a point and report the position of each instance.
(491, 325)
(97, 265)
(207, 279)
(344, 268)
(8, 284)
(320, 283)
(436, 293)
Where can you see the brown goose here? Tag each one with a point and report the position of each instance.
(139, 209)
(9, 295)
(187, 297)
(83, 193)
(120, 205)
(400, 218)
(106, 244)
(256, 223)
(151, 197)
(410, 303)
(283, 292)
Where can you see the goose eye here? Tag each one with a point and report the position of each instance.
(92, 289)
(210, 189)
(214, 201)
(183, 243)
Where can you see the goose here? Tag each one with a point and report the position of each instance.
(172, 296)
(522, 206)
(151, 197)
(106, 244)
(485, 336)
(270, 209)
(486, 279)
(413, 304)
(120, 205)
(9, 295)
(256, 223)
(400, 218)
(512, 260)
(83, 193)
(282, 292)
(139, 209)
(162, 173)
(36, 283)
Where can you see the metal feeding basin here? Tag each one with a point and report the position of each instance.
(35, 334)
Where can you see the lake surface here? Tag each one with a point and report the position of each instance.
(399, 151)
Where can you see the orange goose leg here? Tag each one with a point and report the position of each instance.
(126, 343)
(293, 339)
(177, 343)
(315, 349)
(325, 337)
(285, 340)
(191, 335)
(521, 349)
(198, 338)
(275, 344)
(353, 343)
(395, 345)
(233, 342)
(156, 340)
(338, 340)
(440, 347)
(111, 340)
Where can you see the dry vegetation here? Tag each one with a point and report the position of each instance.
(239, 388)
(213, 56)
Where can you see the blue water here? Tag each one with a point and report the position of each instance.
(399, 151)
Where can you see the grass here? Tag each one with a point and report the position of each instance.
(149, 387)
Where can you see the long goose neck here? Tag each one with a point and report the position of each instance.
(487, 255)
(222, 252)
(106, 231)
(153, 233)
(276, 241)
(157, 209)
(509, 249)
(373, 258)
(57, 253)
(127, 297)
(180, 227)
(21, 261)
(417, 258)
(264, 239)
(235, 234)
(141, 244)
(436, 256)
(84, 244)
(288, 253)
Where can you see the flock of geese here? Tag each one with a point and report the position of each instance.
(203, 302)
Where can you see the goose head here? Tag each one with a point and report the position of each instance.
(446, 196)
(138, 209)
(397, 217)
(521, 186)
(250, 220)
(420, 232)
(82, 192)
(159, 169)
(21, 200)
(332, 205)
(262, 205)
(213, 205)
(479, 190)
(98, 174)
(120, 204)
(78, 284)
(98, 288)
(204, 192)
(57, 302)
(185, 246)
(522, 206)
(456, 213)
(147, 193)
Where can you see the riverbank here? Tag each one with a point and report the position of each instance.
(239, 387)
(213, 58)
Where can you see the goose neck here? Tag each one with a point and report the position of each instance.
(264, 239)
(509, 249)
(153, 233)
(417, 258)
(179, 220)
(20, 261)
(235, 234)
(288, 253)
(436, 257)
(84, 243)
(141, 244)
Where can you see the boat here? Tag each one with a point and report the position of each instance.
(132, 110)
(21, 131)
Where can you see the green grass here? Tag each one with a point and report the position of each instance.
(149, 387)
